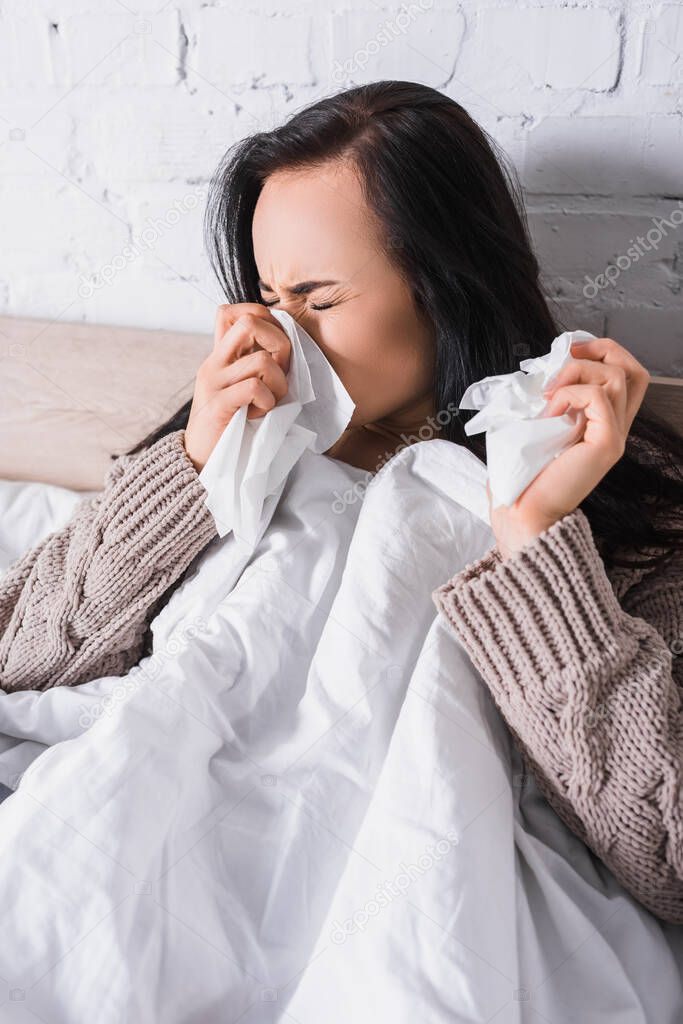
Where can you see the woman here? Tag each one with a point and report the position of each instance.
(382, 220)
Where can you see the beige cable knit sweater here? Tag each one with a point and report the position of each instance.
(78, 605)
(586, 669)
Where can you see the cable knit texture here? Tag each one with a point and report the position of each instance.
(78, 605)
(586, 670)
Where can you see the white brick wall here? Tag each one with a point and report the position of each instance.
(114, 114)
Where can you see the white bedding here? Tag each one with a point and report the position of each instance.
(304, 806)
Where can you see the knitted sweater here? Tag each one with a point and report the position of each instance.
(583, 666)
(77, 606)
(586, 670)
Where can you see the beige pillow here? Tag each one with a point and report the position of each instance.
(73, 394)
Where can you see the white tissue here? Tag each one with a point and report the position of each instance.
(519, 444)
(247, 470)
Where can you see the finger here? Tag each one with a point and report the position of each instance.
(602, 428)
(229, 312)
(257, 364)
(251, 392)
(610, 352)
(249, 333)
(609, 376)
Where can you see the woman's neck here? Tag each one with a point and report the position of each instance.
(371, 445)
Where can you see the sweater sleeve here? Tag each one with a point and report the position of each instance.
(591, 693)
(77, 606)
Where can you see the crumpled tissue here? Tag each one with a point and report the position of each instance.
(246, 472)
(519, 444)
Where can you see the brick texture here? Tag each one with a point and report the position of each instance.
(113, 117)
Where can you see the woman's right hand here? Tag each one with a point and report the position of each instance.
(247, 366)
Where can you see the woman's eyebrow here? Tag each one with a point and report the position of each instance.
(303, 288)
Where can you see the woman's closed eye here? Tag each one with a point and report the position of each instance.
(314, 306)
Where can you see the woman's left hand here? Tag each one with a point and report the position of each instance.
(606, 385)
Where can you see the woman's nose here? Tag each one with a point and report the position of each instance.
(303, 316)
(295, 306)
(298, 310)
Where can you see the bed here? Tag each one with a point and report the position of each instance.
(331, 828)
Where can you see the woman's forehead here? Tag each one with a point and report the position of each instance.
(313, 223)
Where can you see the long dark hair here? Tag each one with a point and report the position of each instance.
(455, 226)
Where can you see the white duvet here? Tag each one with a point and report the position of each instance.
(303, 807)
